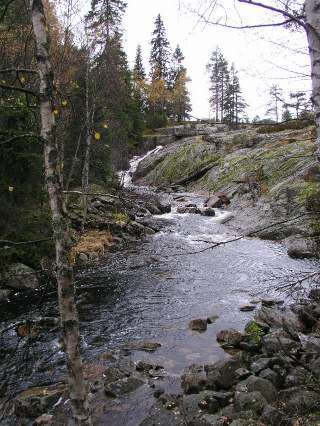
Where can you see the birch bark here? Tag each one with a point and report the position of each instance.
(312, 26)
(67, 307)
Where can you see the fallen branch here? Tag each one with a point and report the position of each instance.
(240, 237)
(21, 243)
(25, 135)
(94, 194)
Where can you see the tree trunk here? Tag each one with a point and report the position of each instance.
(312, 21)
(67, 307)
(86, 164)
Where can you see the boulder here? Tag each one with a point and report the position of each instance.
(299, 247)
(198, 324)
(190, 210)
(258, 384)
(223, 374)
(252, 401)
(122, 387)
(272, 416)
(20, 277)
(229, 338)
(214, 202)
(273, 343)
(208, 212)
(36, 401)
(194, 379)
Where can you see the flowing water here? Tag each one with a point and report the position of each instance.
(152, 291)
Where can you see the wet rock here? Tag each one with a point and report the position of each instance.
(260, 365)
(146, 346)
(304, 402)
(212, 319)
(229, 338)
(189, 210)
(208, 212)
(272, 416)
(296, 376)
(274, 343)
(45, 419)
(250, 346)
(122, 387)
(4, 295)
(257, 384)
(271, 376)
(277, 316)
(309, 314)
(33, 402)
(252, 401)
(161, 416)
(314, 294)
(271, 302)
(158, 392)
(194, 379)
(113, 374)
(299, 247)
(247, 308)
(198, 325)
(214, 202)
(222, 375)
(193, 404)
(20, 277)
(217, 200)
(144, 366)
(242, 373)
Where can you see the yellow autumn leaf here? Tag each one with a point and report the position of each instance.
(97, 136)
(105, 126)
(55, 112)
(64, 103)
(22, 79)
(10, 188)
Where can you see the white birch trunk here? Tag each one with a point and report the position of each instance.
(68, 313)
(312, 21)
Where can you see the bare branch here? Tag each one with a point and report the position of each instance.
(21, 243)
(297, 19)
(25, 135)
(18, 70)
(19, 89)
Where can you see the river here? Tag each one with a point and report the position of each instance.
(152, 291)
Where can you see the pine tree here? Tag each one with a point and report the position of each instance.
(160, 52)
(298, 102)
(234, 104)
(276, 98)
(286, 114)
(218, 72)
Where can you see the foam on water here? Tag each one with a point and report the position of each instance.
(126, 176)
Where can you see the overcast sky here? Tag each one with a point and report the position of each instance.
(260, 59)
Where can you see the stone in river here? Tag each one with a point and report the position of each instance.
(198, 325)
(247, 308)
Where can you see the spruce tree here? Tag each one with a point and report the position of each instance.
(139, 73)
(234, 104)
(218, 74)
(180, 104)
(106, 17)
(160, 52)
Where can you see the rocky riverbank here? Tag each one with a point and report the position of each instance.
(112, 222)
(271, 377)
(269, 174)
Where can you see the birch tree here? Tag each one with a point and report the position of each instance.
(66, 294)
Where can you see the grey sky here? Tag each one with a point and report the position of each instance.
(256, 53)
